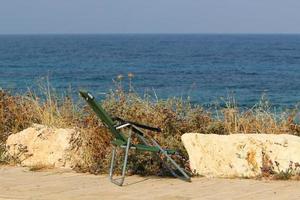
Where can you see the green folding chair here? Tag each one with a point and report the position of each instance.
(115, 125)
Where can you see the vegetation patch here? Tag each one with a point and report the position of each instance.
(175, 116)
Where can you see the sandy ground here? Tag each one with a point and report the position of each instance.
(20, 183)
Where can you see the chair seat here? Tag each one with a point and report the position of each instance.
(142, 147)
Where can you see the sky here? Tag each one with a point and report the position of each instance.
(149, 16)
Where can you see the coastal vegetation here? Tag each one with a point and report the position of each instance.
(175, 116)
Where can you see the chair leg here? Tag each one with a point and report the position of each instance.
(119, 181)
(183, 174)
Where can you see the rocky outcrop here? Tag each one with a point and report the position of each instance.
(241, 155)
(41, 146)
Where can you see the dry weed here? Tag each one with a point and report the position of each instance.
(175, 116)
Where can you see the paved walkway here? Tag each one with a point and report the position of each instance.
(20, 183)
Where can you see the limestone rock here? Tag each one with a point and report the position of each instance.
(41, 145)
(241, 155)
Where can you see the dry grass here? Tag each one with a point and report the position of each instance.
(174, 116)
(40, 168)
(259, 119)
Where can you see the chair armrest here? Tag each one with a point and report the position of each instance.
(137, 124)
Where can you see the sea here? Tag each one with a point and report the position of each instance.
(205, 68)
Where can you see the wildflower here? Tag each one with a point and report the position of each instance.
(130, 75)
(120, 77)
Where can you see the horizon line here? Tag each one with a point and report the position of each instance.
(161, 33)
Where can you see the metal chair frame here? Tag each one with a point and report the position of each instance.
(115, 125)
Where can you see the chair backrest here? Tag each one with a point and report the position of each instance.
(103, 115)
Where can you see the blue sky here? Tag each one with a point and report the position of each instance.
(149, 16)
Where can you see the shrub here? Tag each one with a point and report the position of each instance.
(175, 116)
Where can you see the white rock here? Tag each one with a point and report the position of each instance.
(41, 145)
(240, 155)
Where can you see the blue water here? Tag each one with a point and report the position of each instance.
(204, 67)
